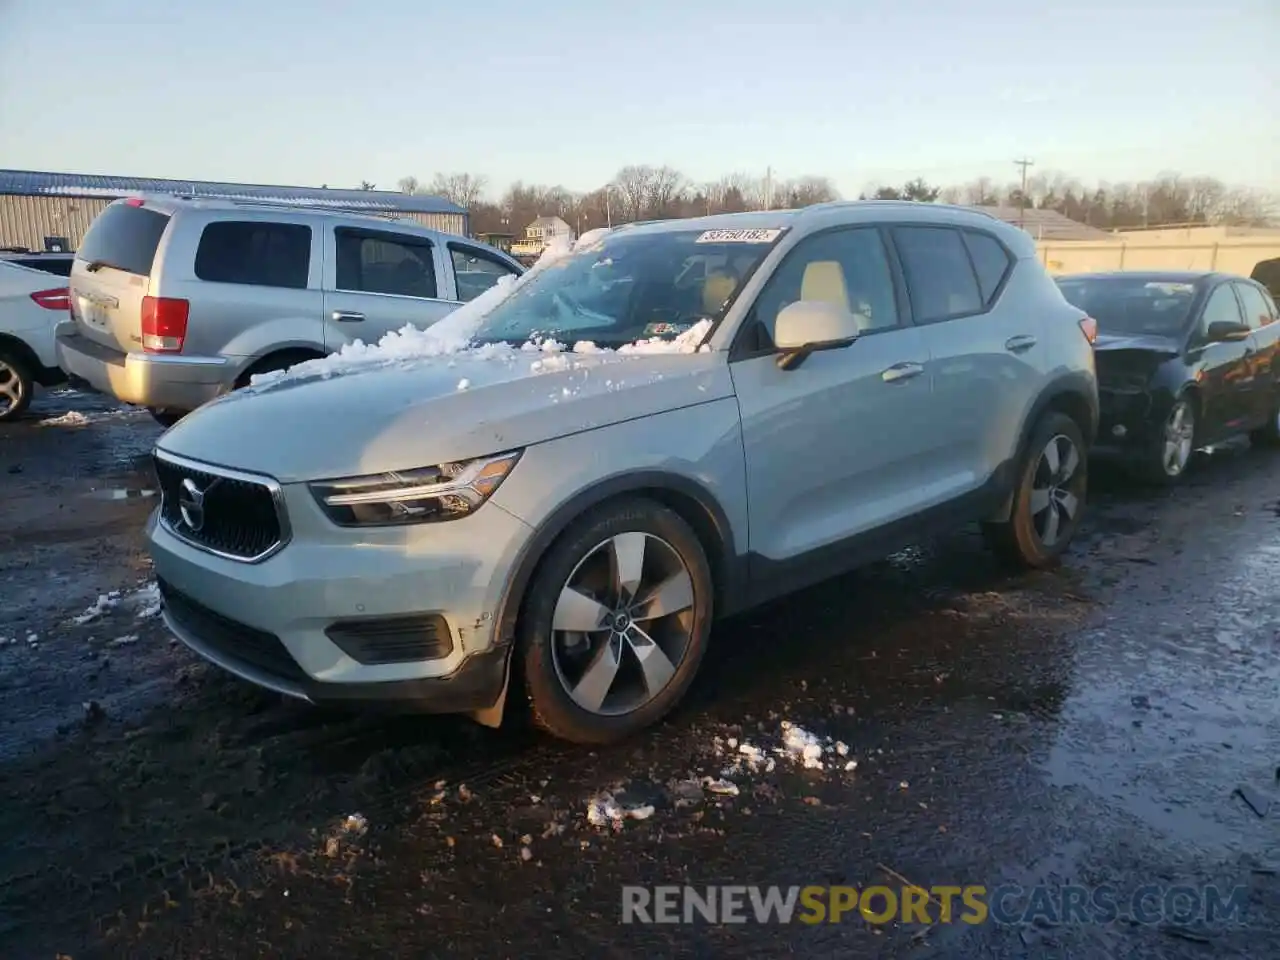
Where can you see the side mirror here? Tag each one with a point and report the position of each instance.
(1222, 331)
(807, 326)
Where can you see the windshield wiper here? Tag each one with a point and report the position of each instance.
(95, 265)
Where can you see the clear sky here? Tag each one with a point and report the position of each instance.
(567, 91)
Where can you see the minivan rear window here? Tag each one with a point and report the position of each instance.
(124, 237)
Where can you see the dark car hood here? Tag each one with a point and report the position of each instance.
(1146, 342)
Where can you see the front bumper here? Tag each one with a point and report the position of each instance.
(271, 622)
(165, 382)
(1125, 422)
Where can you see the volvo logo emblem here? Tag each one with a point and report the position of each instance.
(191, 504)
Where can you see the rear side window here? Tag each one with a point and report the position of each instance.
(374, 262)
(940, 278)
(255, 252)
(124, 237)
(991, 262)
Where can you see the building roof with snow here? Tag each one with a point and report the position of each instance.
(36, 183)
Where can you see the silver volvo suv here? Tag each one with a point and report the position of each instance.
(176, 301)
(674, 422)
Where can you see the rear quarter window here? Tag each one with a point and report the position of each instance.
(991, 262)
(254, 252)
(124, 237)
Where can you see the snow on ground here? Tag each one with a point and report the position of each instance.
(74, 418)
(453, 334)
(143, 600)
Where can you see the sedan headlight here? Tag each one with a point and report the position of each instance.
(428, 495)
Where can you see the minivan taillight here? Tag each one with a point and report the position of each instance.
(59, 298)
(164, 324)
(1089, 327)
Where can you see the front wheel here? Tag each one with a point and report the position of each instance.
(1167, 460)
(1049, 498)
(615, 623)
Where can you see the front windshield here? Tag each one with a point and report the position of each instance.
(630, 286)
(1131, 306)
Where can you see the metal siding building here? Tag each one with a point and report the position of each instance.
(35, 205)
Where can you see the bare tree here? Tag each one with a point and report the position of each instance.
(808, 190)
(633, 184)
(666, 188)
(409, 185)
(366, 185)
(464, 189)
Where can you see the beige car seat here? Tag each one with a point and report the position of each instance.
(824, 280)
(716, 289)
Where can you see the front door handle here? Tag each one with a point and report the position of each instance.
(347, 316)
(901, 371)
(1018, 344)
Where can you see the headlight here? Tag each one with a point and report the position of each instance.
(429, 495)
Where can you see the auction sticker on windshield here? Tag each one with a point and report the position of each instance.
(740, 236)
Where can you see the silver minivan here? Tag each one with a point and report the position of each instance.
(176, 301)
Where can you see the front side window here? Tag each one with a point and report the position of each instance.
(1223, 307)
(631, 286)
(1130, 306)
(849, 268)
(395, 264)
(1257, 311)
(473, 272)
(257, 253)
(940, 277)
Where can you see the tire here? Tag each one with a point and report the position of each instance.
(1169, 455)
(166, 418)
(582, 564)
(1269, 434)
(271, 363)
(1022, 540)
(16, 386)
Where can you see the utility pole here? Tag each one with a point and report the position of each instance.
(1022, 191)
(768, 188)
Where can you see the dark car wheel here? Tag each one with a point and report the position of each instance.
(615, 623)
(1048, 500)
(1170, 454)
(16, 386)
(166, 418)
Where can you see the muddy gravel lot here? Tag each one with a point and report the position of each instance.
(1114, 723)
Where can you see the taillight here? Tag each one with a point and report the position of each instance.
(59, 298)
(164, 324)
(134, 202)
(1089, 327)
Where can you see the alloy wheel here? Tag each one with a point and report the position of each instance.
(12, 388)
(623, 623)
(1179, 437)
(1055, 494)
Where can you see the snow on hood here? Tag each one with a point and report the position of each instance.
(443, 408)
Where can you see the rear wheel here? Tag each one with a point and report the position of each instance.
(1048, 499)
(615, 623)
(1167, 459)
(16, 386)
(166, 418)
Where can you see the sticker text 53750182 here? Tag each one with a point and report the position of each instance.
(740, 236)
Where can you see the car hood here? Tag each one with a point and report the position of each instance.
(407, 415)
(1148, 342)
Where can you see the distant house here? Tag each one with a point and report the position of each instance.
(539, 234)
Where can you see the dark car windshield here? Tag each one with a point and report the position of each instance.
(631, 286)
(1132, 305)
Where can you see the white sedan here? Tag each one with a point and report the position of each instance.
(32, 301)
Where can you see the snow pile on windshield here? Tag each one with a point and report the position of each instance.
(454, 333)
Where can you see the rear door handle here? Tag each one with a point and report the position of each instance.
(1018, 344)
(901, 371)
(347, 316)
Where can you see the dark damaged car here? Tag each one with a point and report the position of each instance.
(1184, 360)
